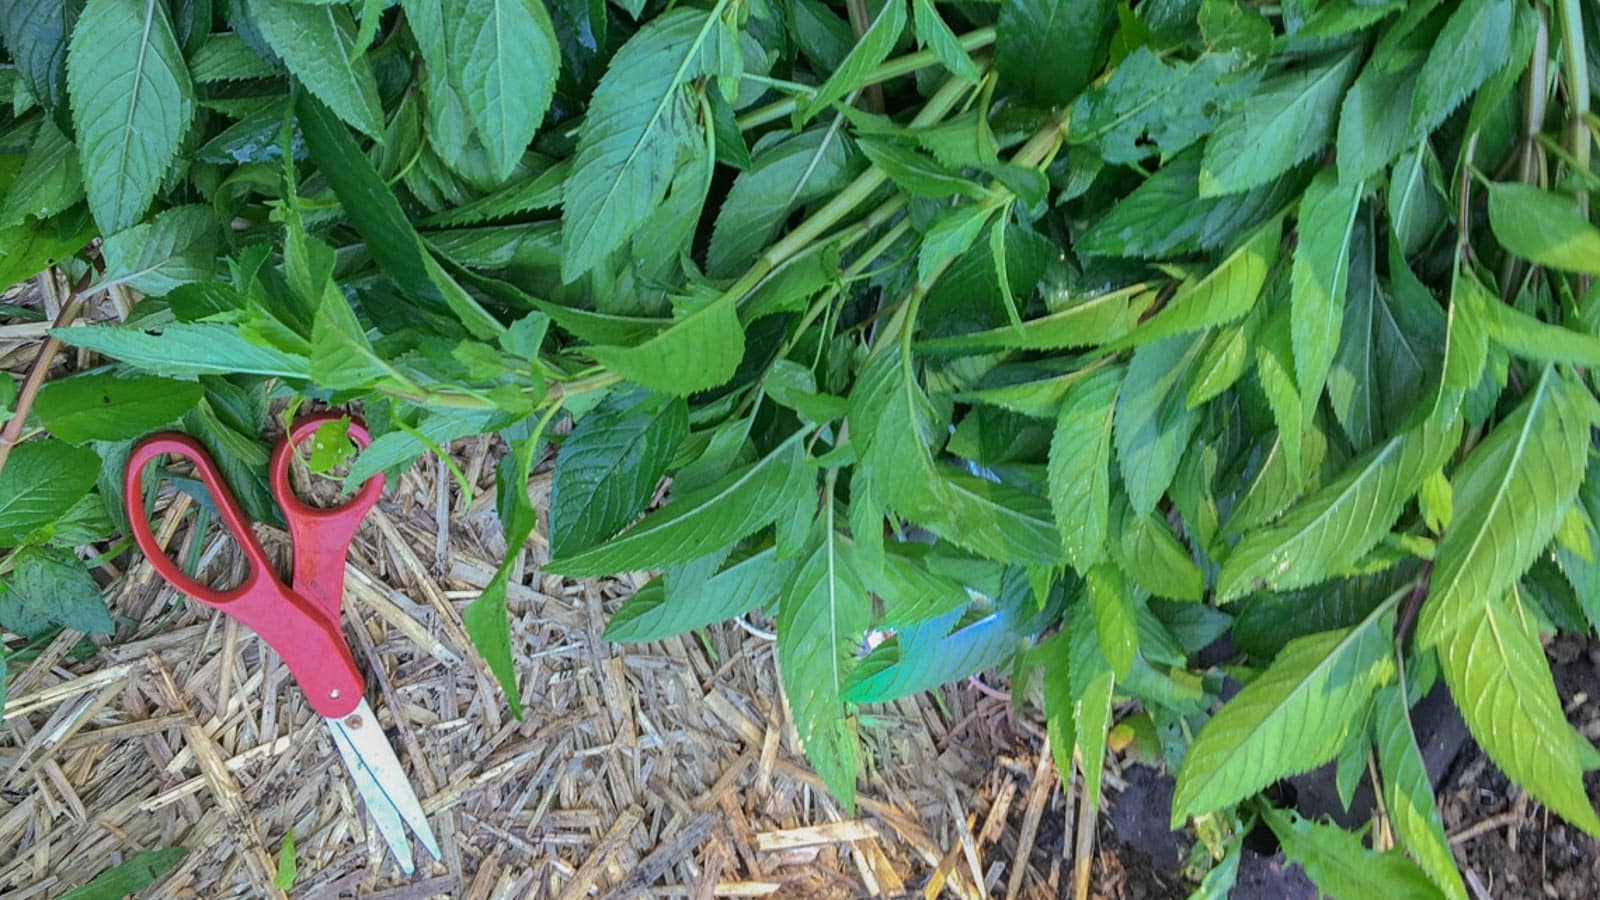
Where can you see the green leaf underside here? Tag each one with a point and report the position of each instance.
(1498, 675)
(1330, 530)
(1292, 718)
(1408, 792)
(821, 616)
(1511, 494)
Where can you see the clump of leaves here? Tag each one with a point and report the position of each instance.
(1063, 336)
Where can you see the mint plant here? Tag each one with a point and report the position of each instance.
(1065, 337)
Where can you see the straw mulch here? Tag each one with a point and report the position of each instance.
(662, 770)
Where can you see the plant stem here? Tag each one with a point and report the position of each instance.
(41, 366)
(894, 68)
(1576, 78)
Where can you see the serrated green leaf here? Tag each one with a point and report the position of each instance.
(1390, 346)
(610, 466)
(656, 612)
(99, 406)
(1045, 49)
(638, 124)
(1531, 338)
(1274, 484)
(1149, 553)
(1466, 348)
(1167, 215)
(1115, 616)
(696, 353)
(1153, 106)
(50, 179)
(30, 248)
(1511, 494)
(36, 32)
(541, 191)
(318, 44)
(132, 103)
(822, 615)
(1334, 527)
(1292, 718)
(1320, 278)
(227, 57)
(1408, 791)
(286, 870)
(781, 176)
(1474, 43)
(1495, 667)
(178, 246)
(933, 33)
(869, 52)
(1153, 423)
(1340, 866)
(54, 583)
(1224, 294)
(920, 175)
(1086, 323)
(1416, 202)
(504, 58)
(1373, 127)
(694, 524)
(1080, 466)
(1544, 227)
(1288, 118)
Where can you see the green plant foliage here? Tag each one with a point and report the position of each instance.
(939, 338)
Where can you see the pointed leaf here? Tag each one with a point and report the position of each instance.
(1408, 792)
(1289, 118)
(656, 612)
(1046, 48)
(1340, 866)
(610, 466)
(1153, 423)
(1330, 530)
(1474, 43)
(1292, 718)
(132, 103)
(505, 57)
(1321, 276)
(1544, 227)
(318, 44)
(637, 123)
(868, 53)
(822, 615)
(1497, 673)
(696, 523)
(1080, 466)
(1510, 496)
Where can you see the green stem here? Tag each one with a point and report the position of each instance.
(894, 68)
(844, 202)
(1576, 73)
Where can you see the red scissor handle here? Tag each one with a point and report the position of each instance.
(301, 623)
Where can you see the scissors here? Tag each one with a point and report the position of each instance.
(300, 620)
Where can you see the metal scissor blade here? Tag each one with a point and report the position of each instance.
(382, 783)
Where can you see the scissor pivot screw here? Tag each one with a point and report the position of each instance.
(353, 722)
(334, 694)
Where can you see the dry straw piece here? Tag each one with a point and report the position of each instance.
(657, 770)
